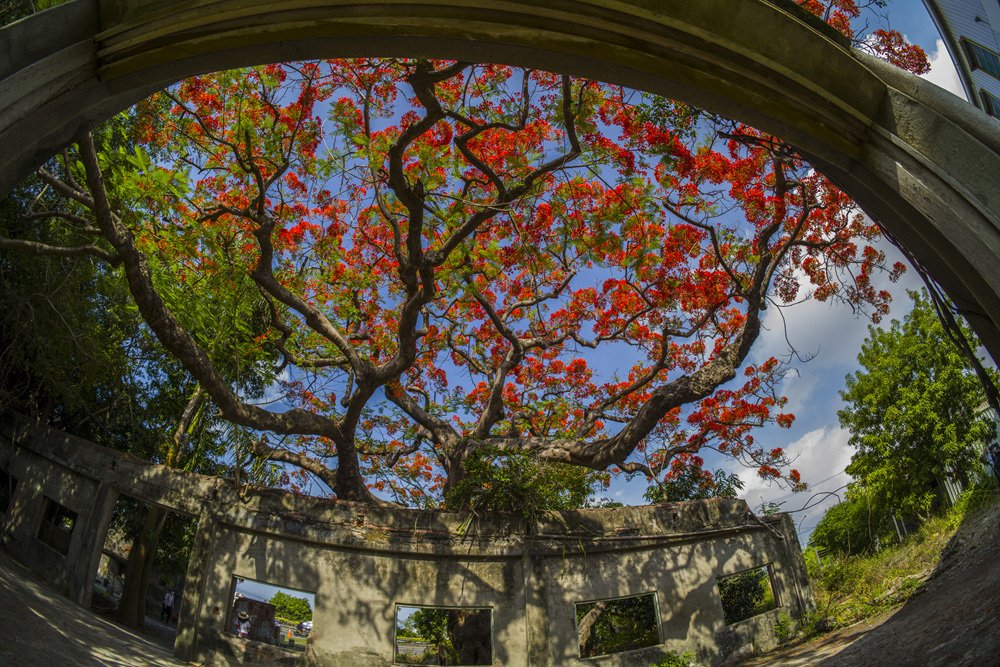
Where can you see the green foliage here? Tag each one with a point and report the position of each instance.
(293, 608)
(614, 626)
(784, 628)
(857, 525)
(746, 594)
(675, 659)
(517, 484)
(694, 483)
(13, 10)
(913, 412)
(431, 626)
(852, 588)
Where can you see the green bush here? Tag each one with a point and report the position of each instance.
(674, 659)
(517, 484)
(784, 628)
(295, 609)
(746, 594)
(855, 526)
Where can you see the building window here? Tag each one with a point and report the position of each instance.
(982, 58)
(270, 613)
(443, 635)
(57, 526)
(617, 625)
(991, 103)
(747, 594)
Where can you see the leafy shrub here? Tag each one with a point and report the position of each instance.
(855, 526)
(746, 594)
(517, 484)
(784, 628)
(674, 659)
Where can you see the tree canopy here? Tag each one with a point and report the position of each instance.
(446, 263)
(915, 411)
(291, 607)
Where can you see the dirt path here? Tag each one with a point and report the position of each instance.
(44, 629)
(953, 620)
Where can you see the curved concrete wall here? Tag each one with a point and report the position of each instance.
(361, 561)
(920, 161)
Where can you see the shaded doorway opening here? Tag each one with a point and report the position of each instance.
(56, 528)
(140, 576)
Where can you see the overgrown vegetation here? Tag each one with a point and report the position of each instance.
(518, 484)
(915, 413)
(746, 594)
(615, 626)
(674, 659)
(851, 588)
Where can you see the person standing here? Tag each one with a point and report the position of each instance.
(168, 606)
(243, 625)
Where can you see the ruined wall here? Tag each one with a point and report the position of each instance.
(362, 561)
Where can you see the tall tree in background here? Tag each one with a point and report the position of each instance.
(915, 412)
(445, 257)
(75, 353)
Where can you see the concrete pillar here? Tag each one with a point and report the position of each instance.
(83, 561)
(189, 618)
(536, 613)
(795, 563)
(24, 515)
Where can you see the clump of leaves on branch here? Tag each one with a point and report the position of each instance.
(455, 259)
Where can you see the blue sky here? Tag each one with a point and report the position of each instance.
(258, 590)
(834, 335)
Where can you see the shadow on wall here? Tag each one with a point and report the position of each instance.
(717, 596)
(632, 583)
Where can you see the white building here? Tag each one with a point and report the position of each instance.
(971, 31)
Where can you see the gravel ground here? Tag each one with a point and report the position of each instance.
(953, 620)
(44, 629)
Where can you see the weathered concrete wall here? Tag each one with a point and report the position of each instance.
(362, 561)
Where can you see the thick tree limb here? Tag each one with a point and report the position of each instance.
(44, 249)
(170, 332)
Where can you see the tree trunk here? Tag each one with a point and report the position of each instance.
(132, 608)
(585, 628)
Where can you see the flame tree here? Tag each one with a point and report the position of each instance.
(444, 260)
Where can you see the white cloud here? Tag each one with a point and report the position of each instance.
(275, 392)
(943, 72)
(820, 456)
(828, 334)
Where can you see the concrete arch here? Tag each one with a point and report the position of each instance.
(923, 163)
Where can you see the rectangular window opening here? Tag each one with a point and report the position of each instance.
(57, 526)
(271, 614)
(982, 58)
(747, 594)
(617, 625)
(443, 635)
(7, 485)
